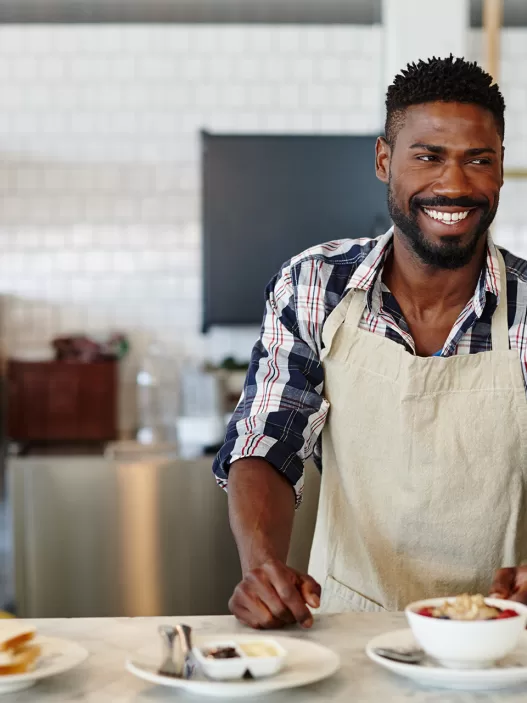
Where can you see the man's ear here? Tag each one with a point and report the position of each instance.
(502, 157)
(383, 154)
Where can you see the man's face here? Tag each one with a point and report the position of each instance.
(444, 175)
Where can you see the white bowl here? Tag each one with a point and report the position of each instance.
(235, 668)
(467, 644)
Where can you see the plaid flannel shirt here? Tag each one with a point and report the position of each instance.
(282, 410)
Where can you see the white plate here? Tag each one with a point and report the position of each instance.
(511, 671)
(306, 663)
(57, 656)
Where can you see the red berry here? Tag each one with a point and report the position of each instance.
(507, 614)
(427, 612)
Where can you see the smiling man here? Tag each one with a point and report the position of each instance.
(401, 364)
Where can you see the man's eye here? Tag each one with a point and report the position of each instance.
(478, 162)
(427, 157)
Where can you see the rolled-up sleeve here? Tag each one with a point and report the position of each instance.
(282, 410)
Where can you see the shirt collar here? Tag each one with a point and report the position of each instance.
(367, 273)
(490, 277)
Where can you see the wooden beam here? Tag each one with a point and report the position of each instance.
(515, 173)
(492, 22)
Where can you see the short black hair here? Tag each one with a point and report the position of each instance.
(449, 80)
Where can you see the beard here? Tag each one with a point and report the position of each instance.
(451, 253)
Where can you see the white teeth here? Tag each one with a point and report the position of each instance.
(448, 218)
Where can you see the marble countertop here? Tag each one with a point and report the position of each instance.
(102, 678)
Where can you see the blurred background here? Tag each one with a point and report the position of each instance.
(159, 160)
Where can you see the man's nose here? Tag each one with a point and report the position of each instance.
(452, 182)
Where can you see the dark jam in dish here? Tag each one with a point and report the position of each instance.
(222, 653)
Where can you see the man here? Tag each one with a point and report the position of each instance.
(401, 363)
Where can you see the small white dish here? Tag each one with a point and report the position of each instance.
(220, 669)
(473, 644)
(511, 671)
(306, 663)
(236, 667)
(57, 657)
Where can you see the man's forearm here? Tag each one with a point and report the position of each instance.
(261, 512)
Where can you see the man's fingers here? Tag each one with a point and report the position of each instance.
(504, 583)
(247, 607)
(274, 595)
(520, 596)
(249, 618)
(310, 590)
(245, 617)
(286, 583)
(262, 587)
(291, 596)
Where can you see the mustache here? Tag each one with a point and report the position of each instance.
(442, 201)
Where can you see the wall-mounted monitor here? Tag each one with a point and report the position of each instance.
(266, 199)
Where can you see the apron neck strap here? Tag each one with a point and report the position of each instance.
(357, 303)
(500, 324)
(499, 328)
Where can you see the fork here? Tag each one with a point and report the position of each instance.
(408, 656)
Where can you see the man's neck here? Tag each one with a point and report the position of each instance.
(428, 290)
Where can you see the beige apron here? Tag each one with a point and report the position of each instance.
(424, 463)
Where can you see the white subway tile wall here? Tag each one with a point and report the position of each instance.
(100, 165)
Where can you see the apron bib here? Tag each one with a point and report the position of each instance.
(424, 462)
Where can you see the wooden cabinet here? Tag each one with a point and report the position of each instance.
(61, 401)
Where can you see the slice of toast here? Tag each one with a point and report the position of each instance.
(15, 634)
(19, 661)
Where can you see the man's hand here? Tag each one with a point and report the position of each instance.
(511, 584)
(274, 595)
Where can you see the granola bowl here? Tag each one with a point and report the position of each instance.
(463, 639)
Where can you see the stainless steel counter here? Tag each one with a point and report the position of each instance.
(97, 538)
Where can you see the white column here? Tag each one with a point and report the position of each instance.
(420, 29)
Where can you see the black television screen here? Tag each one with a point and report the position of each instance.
(266, 199)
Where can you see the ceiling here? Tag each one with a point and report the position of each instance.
(221, 11)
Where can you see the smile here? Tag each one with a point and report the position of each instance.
(447, 218)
